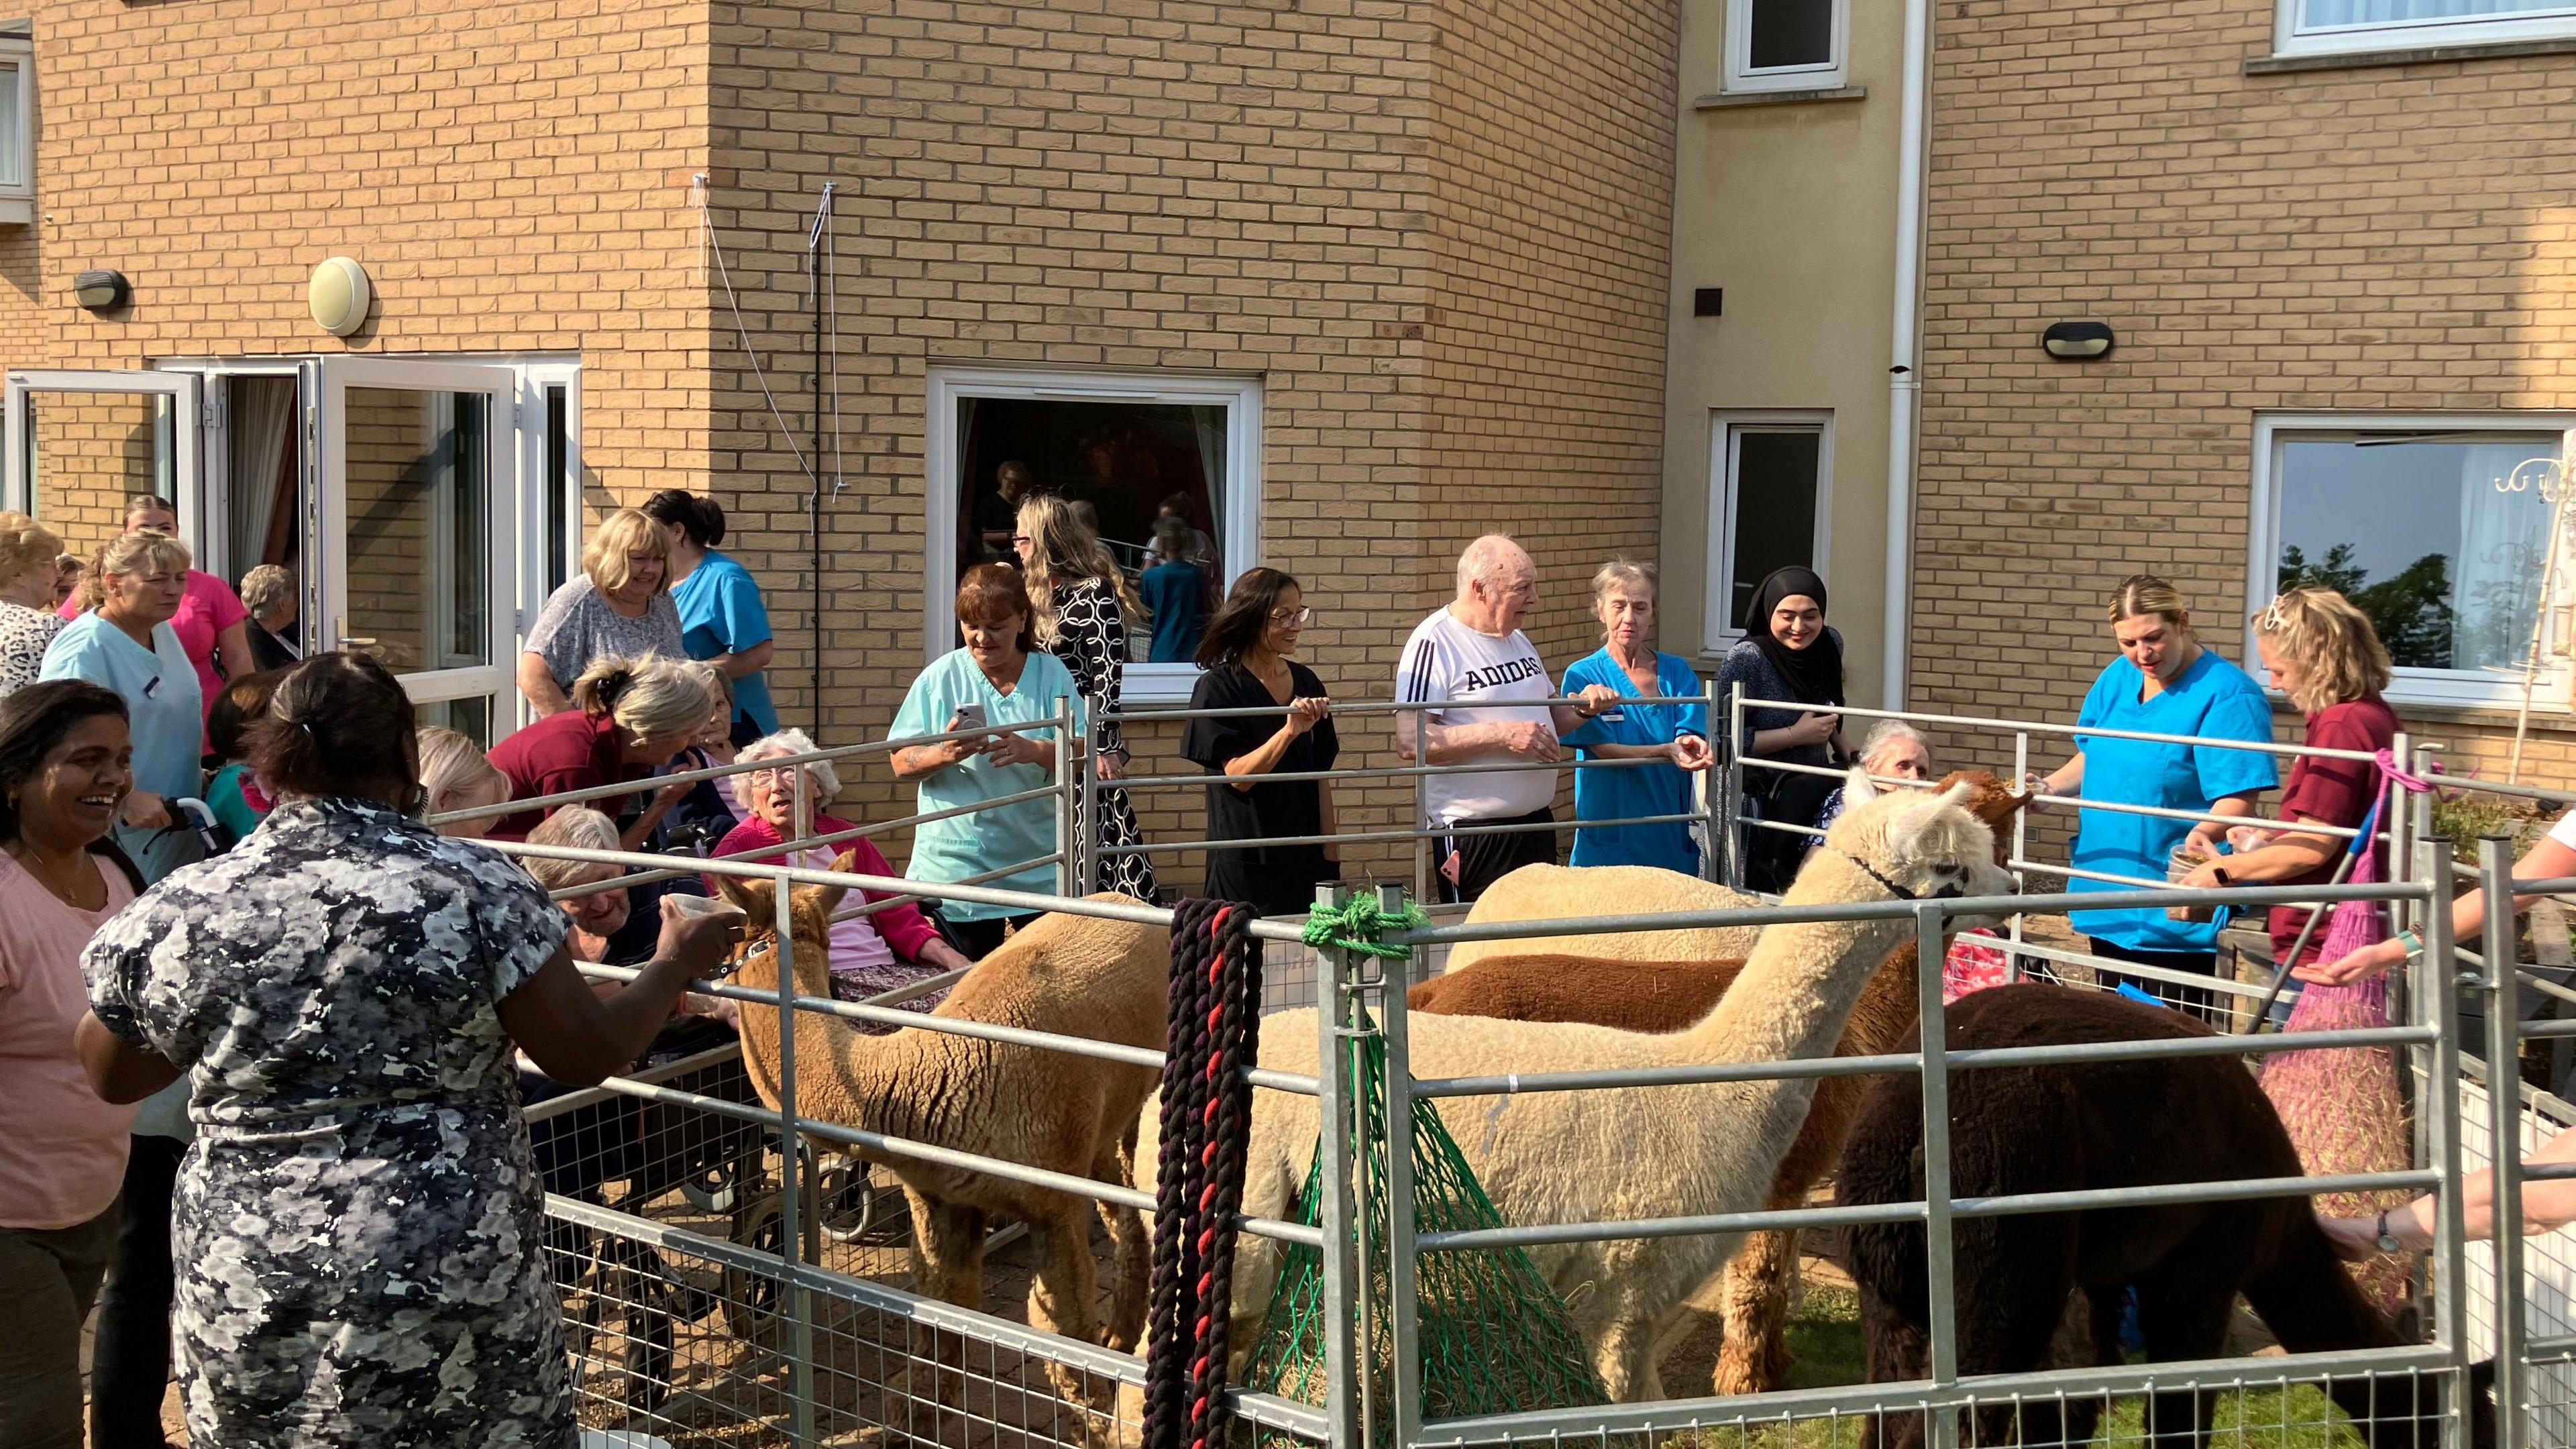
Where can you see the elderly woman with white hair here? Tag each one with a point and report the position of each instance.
(1634, 728)
(1893, 750)
(882, 951)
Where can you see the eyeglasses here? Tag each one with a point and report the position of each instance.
(1020, 540)
(1293, 619)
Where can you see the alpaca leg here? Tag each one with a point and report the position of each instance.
(948, 1264)
(1898, 1351)
(2183, 1320)
(1753, 1357)
(1131, 1251)
(1060, 1302)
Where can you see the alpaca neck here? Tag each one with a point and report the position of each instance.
(839, 1069)
(1798, 987)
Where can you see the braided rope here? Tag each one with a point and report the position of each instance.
(1355, 926)
(1215, 1014)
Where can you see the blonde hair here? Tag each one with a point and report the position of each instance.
(264, 588)
(574, 827)
(2337, 651)
(1060, 543)
(1623, 570)
(827, 781)
(130, 553)
(451, 764)
(619, 534)
(25, 543)
(650, 698)
(2140, 595)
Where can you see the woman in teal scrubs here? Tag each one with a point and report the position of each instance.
(2163, 683)
(1623, 595)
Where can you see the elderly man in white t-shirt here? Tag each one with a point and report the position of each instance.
(1473, 651)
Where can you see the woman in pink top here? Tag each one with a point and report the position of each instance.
(64, 774)
(211, 623)
(871, 954)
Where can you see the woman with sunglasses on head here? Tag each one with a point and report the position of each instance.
(1080, 603)
(1246, 653)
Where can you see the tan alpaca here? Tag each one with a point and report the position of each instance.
(1610, 989)
(1072, 975)
(1564, 892)
(1565, 1157)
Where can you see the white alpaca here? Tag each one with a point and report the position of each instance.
(1642, 1152)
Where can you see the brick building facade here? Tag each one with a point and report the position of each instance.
(2341, 290)
(1420, 248)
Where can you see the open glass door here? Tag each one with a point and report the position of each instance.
(417, 556)
(79, 444)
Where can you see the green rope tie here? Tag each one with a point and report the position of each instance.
(1357, 926)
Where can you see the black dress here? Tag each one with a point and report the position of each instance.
(1276, 879)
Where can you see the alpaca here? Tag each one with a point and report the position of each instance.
(1647, 1151)
(2067, 1126)
(1072, 975)
(1561, 892)
(1752, 1300)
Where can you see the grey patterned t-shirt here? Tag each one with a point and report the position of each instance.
(578, 626)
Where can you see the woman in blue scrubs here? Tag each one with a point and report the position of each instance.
(1623, 595)
(2166, 683)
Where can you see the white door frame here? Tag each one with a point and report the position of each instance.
(187, 404)
(500, 388)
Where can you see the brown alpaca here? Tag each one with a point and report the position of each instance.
(1071, 975)
(1753, 1299)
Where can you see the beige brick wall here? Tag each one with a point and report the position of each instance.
(514, 177)
(2388, 239)
(1233, 189)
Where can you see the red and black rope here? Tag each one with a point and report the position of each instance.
(1207, 1119)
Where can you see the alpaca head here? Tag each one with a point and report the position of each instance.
(1991, 801)
(809, 914)
(1918, 845)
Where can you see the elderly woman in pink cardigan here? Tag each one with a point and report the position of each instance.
(881, 951)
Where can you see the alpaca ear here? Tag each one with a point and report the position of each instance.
(1959, 795)
(817, 902)
(1858, 787)
(753, 897)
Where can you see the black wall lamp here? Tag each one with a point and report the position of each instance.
(2077, 341)
(102, 290)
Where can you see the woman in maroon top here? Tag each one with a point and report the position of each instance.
(2323, 654)
(628, 720)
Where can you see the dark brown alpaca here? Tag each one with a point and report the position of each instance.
(1640, 996)
(2059, 1128)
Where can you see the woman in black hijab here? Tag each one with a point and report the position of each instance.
(1788, 653)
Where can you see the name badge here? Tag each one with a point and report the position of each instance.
(1613, 716)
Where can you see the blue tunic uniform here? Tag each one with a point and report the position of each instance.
(1634, 790)
(2212, 699)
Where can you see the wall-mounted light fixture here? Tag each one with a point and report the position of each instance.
(2077, 341)
(338, 295)
(101, 290)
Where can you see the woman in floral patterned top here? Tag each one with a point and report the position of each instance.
(357, 1228)
(1080, 600)
(29, 564)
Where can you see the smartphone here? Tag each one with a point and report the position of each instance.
(970, 716)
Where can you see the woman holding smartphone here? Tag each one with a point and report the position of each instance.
(999, 677)
(1246, 655)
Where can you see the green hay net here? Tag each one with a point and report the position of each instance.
(1494, 1336)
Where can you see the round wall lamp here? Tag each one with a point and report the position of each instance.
(101, 290)
(338, 295)
(2077, 341)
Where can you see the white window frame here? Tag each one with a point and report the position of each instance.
(18, 200)
(1718, 631)
(1240, 549)
(2438, 688)
(1832, 74)
(2291, 37)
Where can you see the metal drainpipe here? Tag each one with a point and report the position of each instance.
(1905, 350)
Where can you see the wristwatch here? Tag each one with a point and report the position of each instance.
(2387, 1241)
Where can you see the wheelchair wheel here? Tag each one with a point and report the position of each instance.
(714, 1190)
(845, 1201)
(751, 1299)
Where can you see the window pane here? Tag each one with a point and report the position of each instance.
(87, 452)
(1790, 32)
(2417, 534)
(470, 717)
(1127, 464)
(1775, 508)
(13, 137)
(418, 510)
(561, 492)
(2326, 14)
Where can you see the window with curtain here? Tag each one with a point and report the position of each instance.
(2331, 25)
(1148, 458)
(2420, 530)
